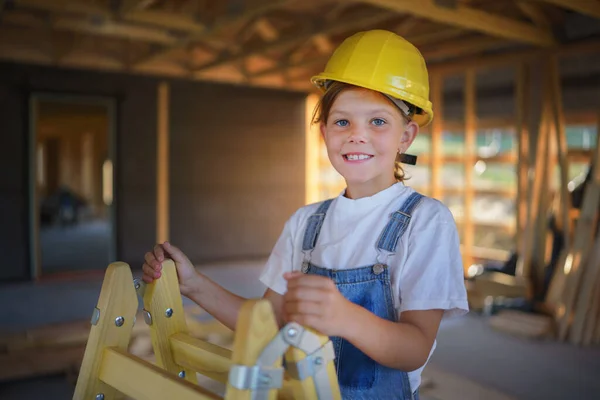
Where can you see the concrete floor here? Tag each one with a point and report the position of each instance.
(83, 246)
(472, 361)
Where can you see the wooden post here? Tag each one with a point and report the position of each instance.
(561, 144)
(437, 126)
(469, 163)
(162, 176)
(522, 100)
(163, 310)
(112, 322)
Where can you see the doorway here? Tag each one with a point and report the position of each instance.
(72, 190)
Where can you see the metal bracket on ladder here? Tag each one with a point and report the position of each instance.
(261, 378)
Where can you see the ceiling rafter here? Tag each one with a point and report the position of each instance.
(308, 34)
(470, 18)
(219, 26)
(586, 7)
(535, 13)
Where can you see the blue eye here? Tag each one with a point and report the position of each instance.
(342, 122)
(378, 121)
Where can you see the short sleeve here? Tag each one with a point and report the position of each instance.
(432, 276)
(280, 261)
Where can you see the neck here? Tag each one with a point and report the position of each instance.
(366, 189)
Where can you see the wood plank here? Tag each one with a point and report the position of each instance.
(522, 324)
(471, 18)
(162, 300)
(140, 379)
(117, 305)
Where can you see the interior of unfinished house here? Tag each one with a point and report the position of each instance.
(284, 199)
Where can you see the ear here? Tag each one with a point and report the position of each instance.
(323, 130)
(408, 136)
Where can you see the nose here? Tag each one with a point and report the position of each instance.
(357, 135)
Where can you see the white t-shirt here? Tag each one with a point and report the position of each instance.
(426, 270)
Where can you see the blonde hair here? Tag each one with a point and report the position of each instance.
(323, 108)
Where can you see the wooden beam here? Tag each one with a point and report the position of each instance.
(177, 22)
(513, 57)
(220, 25)
(471, 18)
(67, 6)
(132, 5)
(535, 14)
(293, 38)
(586, 7)
(266, 30)
(114, 29)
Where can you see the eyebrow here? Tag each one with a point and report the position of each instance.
(374, 111)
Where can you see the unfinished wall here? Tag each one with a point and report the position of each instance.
(237, 163)
(237, 168)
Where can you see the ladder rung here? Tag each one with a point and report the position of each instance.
(140, 379)
(206, 358)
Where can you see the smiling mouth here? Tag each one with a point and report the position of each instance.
(357, 157)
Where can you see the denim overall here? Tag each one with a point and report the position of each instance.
(359, 376)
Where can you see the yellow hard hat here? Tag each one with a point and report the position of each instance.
(385, 62)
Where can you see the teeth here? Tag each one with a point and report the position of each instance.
(357, 156)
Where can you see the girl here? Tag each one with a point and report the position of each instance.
(377, 267)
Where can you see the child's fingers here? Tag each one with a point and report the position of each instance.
(159, 253)
(151, 260)
(149, 273)
(292, 275)
(174, 252)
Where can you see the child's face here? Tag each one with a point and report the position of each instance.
(364, 132)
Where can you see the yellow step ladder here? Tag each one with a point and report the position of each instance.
(252, 370)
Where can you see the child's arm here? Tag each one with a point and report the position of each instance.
(314, 301)
(403, 345)
(216, 300)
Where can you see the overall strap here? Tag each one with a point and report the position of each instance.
(313, 227)
(398, 223)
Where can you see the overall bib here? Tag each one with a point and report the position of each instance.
(359, 376)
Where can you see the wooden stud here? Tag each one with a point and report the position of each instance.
(312, 146)
(561, 144)
(521, 103)
(116, 308)
(255, 328)
(469, 163)
(162, 300)
(437, 126)
(162, 164)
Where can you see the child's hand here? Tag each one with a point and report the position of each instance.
(315, 302)
(188, 277)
